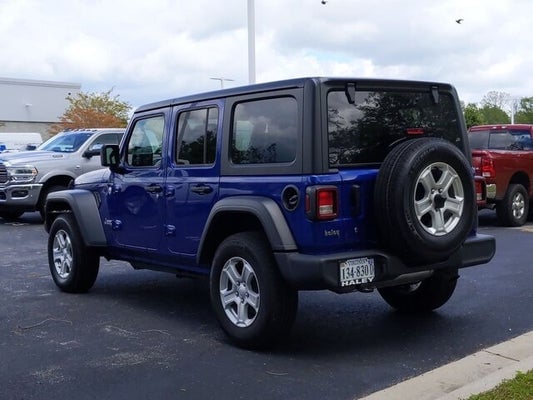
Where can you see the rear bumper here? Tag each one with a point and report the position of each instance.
(491, 191)
(315, 272)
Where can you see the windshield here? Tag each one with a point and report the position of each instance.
(365, 131)
(67, 142)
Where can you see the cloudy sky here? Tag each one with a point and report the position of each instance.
(157, 49)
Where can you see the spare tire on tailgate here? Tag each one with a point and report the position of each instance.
(424, 200)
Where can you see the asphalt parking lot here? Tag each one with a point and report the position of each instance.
(146, 335)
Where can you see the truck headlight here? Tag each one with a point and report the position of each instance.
(21, 173)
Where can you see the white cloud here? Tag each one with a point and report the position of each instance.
(148, 51)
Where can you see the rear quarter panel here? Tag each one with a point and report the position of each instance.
(509, 166)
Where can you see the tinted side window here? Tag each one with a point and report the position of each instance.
(264, 131)
(145, 142)
(363, 132)
(107, 138)
(197, 130)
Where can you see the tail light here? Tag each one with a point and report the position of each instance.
(322, 202)
(487, 168)
(415, 131)
(480, 189)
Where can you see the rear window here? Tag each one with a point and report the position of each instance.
(501, 139)
(365, 131)
(479, 139)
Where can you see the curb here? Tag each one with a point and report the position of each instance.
(473, 374)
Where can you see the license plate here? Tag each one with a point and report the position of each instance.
(356, 271)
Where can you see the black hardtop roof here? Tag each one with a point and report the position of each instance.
(288, 84)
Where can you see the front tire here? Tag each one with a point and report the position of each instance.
(424, 296)
(74, 268)
(253, 304)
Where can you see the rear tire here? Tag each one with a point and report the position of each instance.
(253, 304)
(73, 266)
(424, 296)
(513, 209)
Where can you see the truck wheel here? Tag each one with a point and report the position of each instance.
(424, 200)
(74, 268)
(513, 209)
(424, 296)
(252, 303)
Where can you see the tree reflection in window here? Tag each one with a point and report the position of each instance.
(198, 132)
(145, 144)
(365, 131)
(264, 131)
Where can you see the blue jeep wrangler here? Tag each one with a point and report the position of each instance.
(268, 189)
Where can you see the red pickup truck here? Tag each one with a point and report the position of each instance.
(503, 155)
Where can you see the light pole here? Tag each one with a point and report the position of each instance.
(514, 106)
(251, 41)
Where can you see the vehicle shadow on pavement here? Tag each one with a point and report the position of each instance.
(33, 218)
(362, 326)
(327, 324)
(487, 218)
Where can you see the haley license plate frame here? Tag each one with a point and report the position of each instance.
(356, 271)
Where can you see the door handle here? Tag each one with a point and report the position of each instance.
(154, 189)
(113, 189)
(202, 189)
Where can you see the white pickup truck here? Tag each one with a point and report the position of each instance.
(27, 177)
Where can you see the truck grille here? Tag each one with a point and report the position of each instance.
(3, 173)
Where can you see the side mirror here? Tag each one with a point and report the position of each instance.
(110, 156)
(91, 153)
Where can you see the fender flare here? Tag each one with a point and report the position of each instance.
(83, 205)
(55, 173)
(265, 210)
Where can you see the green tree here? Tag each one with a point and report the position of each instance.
(494, 115)
(524, 114)
(93, 110)
(473, 115)
(493, 107)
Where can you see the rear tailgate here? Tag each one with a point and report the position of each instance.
(477, 156)
(356, 194)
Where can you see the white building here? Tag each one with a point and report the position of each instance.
(31, 105)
